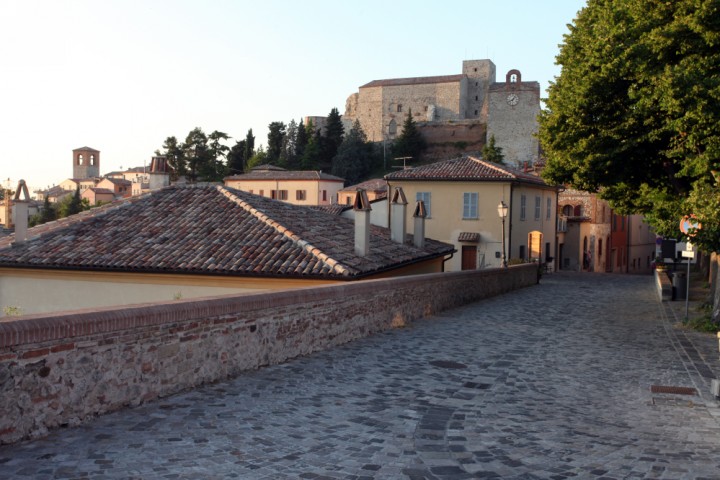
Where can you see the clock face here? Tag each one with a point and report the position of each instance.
(512, 99)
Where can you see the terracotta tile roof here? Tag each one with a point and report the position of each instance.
(472, 237)
(101, 190)
(466, 169)
(333, 209)
(210, 229)
(372, 185)
(118, 181)
(285, 175)
(391, 82)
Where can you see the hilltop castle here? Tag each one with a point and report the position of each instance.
(469, 108)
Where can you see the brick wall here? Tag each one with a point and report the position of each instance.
(63, 369)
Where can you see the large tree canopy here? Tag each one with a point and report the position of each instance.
(634, 114)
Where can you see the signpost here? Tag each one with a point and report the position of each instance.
(689, 225)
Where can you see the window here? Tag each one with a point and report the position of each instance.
(567, 210)
(399, 107)
(470, 205)
(324, 195)
(279, 194)
(80, 159)
(262, 193)
(476, 112)
(600, 248)
(300, 195)
(348, 200)
(537, 208)
(476, 97)
(548, 209)
(92, 159)
(425, 197)
(523, 205)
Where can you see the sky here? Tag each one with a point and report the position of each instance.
(121, 76)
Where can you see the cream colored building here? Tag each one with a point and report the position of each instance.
(299, 187)
(461, 198)
(195, 241)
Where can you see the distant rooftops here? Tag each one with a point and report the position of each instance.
(211, 230)
(273, 172)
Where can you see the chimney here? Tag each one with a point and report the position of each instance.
(361, 206)
(398, 207)
(419, 231)
(21, 212)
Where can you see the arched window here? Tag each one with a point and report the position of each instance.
(392, 127)
(513, 78)
(578, 212)
(80, 159)
(567, 210)
(92, 159)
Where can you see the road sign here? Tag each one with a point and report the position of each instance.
(689, 222)
(686, 254)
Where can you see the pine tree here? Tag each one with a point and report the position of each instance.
(491, 152)
(353, 161)
(410, 143)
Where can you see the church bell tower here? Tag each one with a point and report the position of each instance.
(86, 163)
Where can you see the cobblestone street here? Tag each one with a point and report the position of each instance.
(552, 381)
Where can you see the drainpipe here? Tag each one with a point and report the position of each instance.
(361, 207)
(419, 230)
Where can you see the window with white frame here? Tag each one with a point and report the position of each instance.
(523, 206)
(470, 205)
(425, 197)
(537, 208)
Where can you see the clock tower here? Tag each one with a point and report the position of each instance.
(513, 108)
(86, 163)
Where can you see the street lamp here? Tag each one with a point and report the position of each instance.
(502, 213)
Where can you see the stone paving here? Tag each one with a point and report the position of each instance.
(552, 381)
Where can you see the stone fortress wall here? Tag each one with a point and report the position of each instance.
(454, 108)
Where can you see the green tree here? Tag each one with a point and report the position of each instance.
(410, 143)
(331, 139)
(276, 135)
(312, 152)
(491, 152)
(197, 153)
(72, 204)
(634, 112)
(260, 158)
(301, 141)
(174, 152)
(354, 159)
(288, 155)
(216, 167)
(249, 146)
(236, 158)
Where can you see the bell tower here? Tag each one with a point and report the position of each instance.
(86, 163)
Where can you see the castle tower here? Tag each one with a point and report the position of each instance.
(86, 163)
(513, 108)
(480, 74)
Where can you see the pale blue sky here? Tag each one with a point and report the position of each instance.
(122, 75)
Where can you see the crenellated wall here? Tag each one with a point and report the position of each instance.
(66, 368)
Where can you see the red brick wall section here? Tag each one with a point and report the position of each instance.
(63, 369)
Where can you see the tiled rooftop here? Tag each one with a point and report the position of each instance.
(280, 174)
(391, 82)
(211, 229)
(372, 185)
(465, 169)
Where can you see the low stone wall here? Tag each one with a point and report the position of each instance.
(63, 369)
(663, 285)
